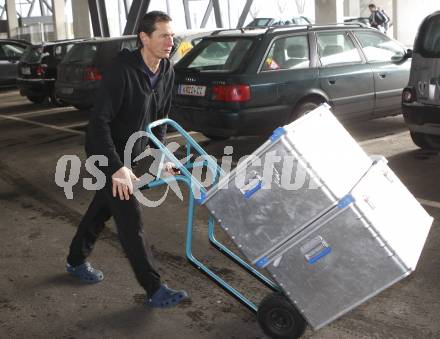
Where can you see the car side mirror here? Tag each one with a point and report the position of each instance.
(398, 57)
(402, 57)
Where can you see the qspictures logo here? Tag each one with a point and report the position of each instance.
(265, 172)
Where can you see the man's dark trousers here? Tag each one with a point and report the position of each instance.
(128, 219)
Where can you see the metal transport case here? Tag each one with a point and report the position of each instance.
(332, 226)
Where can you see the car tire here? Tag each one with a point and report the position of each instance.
(215, 137)
(426, 141)
(82, 107)
(36, 99)
(56, 101)
(304, 108)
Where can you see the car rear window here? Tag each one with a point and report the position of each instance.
(61, 50)
(11, 51)
(429, 38)
(81, 53)
(218, 55)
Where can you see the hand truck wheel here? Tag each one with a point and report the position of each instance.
(279, 318)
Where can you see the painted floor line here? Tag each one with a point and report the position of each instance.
(429, 203)
(69, 129)
(41, 124)
(78, 124)
(383, 139)
(42, 112)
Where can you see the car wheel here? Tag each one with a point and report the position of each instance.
(426, 141)
(81, 107)
(36, 99)
(304, 108)
(278, 318)
(56, 101)
(215, 137)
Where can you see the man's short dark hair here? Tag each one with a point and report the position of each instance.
(148, 22)
(371, 6)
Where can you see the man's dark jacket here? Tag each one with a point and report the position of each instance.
(377, 19)
(126, 104)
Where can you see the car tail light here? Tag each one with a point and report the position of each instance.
(41, 69)
(231, 93)
(92, 74)
(409, 95)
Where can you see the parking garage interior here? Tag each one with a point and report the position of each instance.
(38, 218)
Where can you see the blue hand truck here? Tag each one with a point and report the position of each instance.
(276, 315)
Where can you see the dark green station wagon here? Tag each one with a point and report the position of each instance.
(250, 81)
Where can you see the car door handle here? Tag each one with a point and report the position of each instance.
(382, 75)
(332, 81)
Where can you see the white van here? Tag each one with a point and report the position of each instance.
(421, 99)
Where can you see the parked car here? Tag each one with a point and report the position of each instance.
(184, 42)
(249, 82)
(362, 20)
(421, 98)
(301, 20)
(80, 72)
(261, 22)
(37, 70)
(10, 54)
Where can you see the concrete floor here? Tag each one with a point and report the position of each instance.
(37, 222)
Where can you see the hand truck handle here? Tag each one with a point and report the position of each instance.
(211, 163)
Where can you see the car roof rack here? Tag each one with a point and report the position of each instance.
(352, 24)
(310, 26)
(241, 30)
(271, 29)
(62, 41)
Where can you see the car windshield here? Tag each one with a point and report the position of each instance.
(262, 22)
(218, 55)
(300, 20)
(83, 53)
(32, 54)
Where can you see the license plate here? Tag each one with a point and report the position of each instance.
(66, 90)
(26, 70)
(193, 90)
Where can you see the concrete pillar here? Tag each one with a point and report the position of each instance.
(59, 22)
(352, 8)
(407, 18)
(396, 23)
(329, 11)
(11, 13)
(81, 19)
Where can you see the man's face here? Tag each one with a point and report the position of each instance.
(372, 9)
(160, 42)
